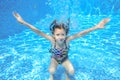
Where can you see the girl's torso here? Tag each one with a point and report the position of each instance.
(60, 54)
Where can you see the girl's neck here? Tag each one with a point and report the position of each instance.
(58, 45)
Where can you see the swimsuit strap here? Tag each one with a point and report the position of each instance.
(59, 51)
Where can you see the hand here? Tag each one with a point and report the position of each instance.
(18, 17)
(102, 23)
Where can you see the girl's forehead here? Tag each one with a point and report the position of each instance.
(59, 30)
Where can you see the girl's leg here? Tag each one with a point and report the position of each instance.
(69, 68)
(52, 68)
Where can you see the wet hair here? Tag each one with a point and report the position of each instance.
(64, 26)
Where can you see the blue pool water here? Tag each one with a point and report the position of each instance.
(95, 56)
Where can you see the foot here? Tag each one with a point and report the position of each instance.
(51, 77)
(67, 76)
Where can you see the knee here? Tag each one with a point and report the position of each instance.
(71, 71)
(51, 70)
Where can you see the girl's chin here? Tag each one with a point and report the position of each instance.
(60, 42)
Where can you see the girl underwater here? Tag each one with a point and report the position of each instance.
(60, 42)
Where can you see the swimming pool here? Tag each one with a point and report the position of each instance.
(96, 56)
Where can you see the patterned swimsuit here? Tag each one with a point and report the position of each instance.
(60, 55)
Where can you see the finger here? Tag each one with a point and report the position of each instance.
(14, 14)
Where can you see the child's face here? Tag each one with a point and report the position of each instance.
(59, 35)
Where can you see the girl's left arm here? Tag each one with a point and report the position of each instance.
(100, 25)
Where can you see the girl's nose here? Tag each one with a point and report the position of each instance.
(61, 37)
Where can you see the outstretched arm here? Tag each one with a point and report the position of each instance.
(19, 19)
(100, 25)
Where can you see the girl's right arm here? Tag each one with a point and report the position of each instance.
(100, 25)
(19, 19)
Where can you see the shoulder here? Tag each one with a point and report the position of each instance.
(67, 39)
(52, 41)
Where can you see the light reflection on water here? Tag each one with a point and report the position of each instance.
(94, 56)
